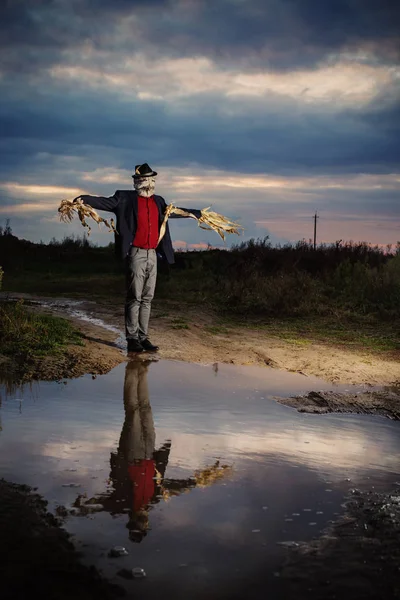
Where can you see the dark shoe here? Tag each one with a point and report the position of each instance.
(148, 346)
(134, 346)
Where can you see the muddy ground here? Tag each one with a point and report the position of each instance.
(37, 557)
(384, 402)
(357, 558)
(193, 336)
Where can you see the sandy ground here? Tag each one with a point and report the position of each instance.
(194, 336)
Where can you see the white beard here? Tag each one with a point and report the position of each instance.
(144, 186)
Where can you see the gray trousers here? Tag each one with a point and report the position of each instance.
(141, 276)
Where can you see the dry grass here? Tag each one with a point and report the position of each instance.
(67, 209)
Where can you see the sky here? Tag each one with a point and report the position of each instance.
(266, 110)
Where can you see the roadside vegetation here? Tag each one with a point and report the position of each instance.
(348, 292)
(25, 334)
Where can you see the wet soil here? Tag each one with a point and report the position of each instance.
(357, 557)
(384, 402)
(37, 557)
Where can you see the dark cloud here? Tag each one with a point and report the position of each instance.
(251, 137)
(280, 34)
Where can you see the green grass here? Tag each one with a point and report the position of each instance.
(179, 323)
(217, 330)
(25, 334)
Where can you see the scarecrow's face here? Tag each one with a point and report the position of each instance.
(144, 186)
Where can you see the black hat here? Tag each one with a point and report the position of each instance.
(144, 171)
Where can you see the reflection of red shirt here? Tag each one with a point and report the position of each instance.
(147, 231)
(141, 475)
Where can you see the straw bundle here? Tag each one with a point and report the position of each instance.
(208, 220)
(67, 209)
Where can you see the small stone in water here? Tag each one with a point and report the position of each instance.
(138, 573)
(319, 512)
(328, 490)
(288, 544)
(118, 551)
(313, 523)
(71, 485)
(265, 507)
(255, 530)
(295, 514)
(307, 509)
(93, 507)
(288, 520)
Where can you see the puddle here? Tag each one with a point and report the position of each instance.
(194, 469)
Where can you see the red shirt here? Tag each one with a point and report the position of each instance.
(147, 231)
(141, 474)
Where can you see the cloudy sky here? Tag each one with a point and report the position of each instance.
(265, 109)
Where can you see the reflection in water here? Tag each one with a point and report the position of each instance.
(137, 468)
(9, 387)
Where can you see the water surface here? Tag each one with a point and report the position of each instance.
(198, 472)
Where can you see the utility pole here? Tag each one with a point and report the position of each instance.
(315, 217)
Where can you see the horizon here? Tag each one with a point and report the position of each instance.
(83, 237)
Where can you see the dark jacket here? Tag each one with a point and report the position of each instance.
(124, 205)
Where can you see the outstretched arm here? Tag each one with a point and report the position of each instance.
(192, 211)
(100, 202)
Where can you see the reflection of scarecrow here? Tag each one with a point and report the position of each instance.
(137, 469)
(143, 232)
(136, 450)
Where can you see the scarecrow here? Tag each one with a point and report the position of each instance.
(142, 232)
